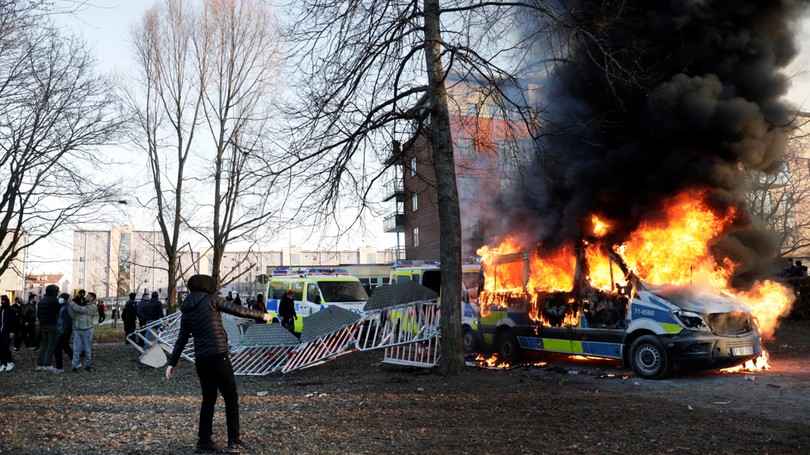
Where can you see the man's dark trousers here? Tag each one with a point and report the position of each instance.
(216, 373)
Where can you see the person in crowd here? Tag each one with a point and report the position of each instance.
(83, 316)
(17, 307)
(230, 296)
(800, 270)
(102, 312)
(286, 311)
(9, 326)
(130, 315)
(788, 270)
(259, 304)
(114, 315)
(236, 299)
(141, 315)
(153, 311)
(201, 319)
(48, 316)
(29, 321)
(65, 331)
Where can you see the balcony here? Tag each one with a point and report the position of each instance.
(394, 189)
(394, 223)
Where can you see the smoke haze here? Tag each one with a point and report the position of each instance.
(657, 98)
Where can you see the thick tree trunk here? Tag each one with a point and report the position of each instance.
(452, 360)
(171, 290)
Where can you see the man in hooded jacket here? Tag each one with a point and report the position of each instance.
(201, 319)
(130, 314)
(48, 316)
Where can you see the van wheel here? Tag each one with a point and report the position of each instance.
(507, 347)
(649, 358)
(469, 340)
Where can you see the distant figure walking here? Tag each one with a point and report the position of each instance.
(130, 315)
(114, 315)
(48, 315)
(102, 312)
(17, 307)
(83, 316)
(201, 319)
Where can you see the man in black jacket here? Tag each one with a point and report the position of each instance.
(48, 315)
(152, 311)
(201, 319)
(17, 307)
(142, 315)
(286, 311)
(130, 315)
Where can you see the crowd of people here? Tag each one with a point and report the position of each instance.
(58, 326)
(793, 270)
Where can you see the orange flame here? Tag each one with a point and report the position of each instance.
(671, 249)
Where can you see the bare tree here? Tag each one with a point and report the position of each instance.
(780, 196)
(54, 112)
(238, 49)
(165, 104)
(372, 70)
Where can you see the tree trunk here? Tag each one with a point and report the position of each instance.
(171, 289)
(452, 360)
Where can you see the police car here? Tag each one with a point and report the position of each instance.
(313, 290)
(429, 274)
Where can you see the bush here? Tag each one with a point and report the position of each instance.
(801, 307)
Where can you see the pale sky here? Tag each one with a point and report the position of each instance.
(106, 27)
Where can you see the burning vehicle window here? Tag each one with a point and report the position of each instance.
(342, 291)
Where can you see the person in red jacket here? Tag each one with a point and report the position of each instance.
(201, 319)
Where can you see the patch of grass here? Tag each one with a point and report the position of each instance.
(106, 333)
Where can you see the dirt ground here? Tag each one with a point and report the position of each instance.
(356, 405)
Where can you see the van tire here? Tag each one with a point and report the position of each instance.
(468, 336)
(649, 358)
(507, 347)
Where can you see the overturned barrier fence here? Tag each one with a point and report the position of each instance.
(402, 319)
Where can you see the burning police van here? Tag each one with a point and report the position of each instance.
(617, 316)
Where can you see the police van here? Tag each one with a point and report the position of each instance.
(429, 275)
(313, 290)
(652, 327)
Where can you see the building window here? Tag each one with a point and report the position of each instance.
(80, 282)
(81, 248)
(466, 148)
(472, 110)
(95, 258)
(414, 202)
(95, 247)
(468, 188)
(81, 270)
(413, 166)
(81, 237)
(81, 258)
(492, 111)
(146, 237)
(415, 236)
(95, 237)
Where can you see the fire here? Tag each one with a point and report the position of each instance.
(758, 364)
(491, 362)
(600, 228)
(674, 248)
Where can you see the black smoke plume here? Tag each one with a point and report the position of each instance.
(655, 98)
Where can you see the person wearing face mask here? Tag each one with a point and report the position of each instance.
(65, 327)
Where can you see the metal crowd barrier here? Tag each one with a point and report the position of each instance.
(402, 319)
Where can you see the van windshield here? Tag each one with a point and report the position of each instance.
(342, 291)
